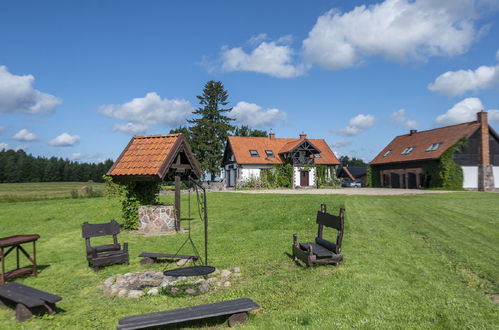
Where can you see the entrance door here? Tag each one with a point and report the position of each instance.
(304, 178)
(232, 178)
(411, 181)
(395, 180)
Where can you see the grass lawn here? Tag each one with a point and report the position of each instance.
(22, 192)
(410, 261)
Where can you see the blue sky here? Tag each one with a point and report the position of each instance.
(78, 79)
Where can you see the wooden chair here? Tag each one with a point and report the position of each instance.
(322, 251)
(102, 255)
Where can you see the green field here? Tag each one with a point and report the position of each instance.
(425, 261)
(23, 192)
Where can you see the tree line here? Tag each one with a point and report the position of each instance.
(18, 166)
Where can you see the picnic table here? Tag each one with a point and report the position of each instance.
(12, 243)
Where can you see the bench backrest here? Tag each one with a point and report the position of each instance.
(100, 229)
(331, 221)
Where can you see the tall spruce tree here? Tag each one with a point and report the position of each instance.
(208, 132)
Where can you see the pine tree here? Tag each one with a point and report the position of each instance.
(245, 130)
(210, 130)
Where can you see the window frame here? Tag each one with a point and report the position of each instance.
(387, 153)
(434, 147)
(407, 150)
(255, 155)
(271, 155)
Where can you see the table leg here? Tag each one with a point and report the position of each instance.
(2, 259)
(34, 258)
(17, 257)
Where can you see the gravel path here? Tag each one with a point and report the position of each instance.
(343, 191)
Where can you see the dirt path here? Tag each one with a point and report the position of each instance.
(343, 191)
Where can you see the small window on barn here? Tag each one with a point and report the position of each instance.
(270, 153)
(407, 150)
(387, 153)
(317, 155)
(254, 153)
(434, 146)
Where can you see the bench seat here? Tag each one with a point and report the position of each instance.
(173, 316)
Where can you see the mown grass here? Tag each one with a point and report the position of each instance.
(410, 261)
(34, 191)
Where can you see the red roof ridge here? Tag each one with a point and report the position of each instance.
(156, 136)
(437, 128)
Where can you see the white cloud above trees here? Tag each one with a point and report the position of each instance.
(275, 58)
(25, 135)
(398, 30)
(455, 83)
(358, 124)
(400, 118)
(465, 111)
(149, 110)
(254, 115)
(65, 140)
(4, 146)
(17, 95)
(130, 128)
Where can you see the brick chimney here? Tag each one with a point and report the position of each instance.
(271, 135)
(412, 131)
(484, 138)
(485, 170)
(303, 136)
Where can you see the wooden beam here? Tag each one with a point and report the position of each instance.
(177, 202)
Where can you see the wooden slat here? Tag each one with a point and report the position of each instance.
(317, 249)
(18, 272)
(13, 295)
(32, 292)
(188, 314)
(166, 255)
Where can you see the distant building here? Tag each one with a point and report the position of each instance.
(353, 174)
(245, 157)
(400, 164)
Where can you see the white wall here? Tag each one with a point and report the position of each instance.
(250, 171)
(470, 174)
(496, 176)
(311, 175)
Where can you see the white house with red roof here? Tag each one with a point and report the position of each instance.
(245, 157)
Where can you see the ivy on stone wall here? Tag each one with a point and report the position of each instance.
(445, 173)
(132, 195)
(372, 177)
(279, 176)
(326, 176)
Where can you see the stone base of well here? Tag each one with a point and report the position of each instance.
(156, 219)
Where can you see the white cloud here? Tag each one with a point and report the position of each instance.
(358, 124)
(341, 144)
(399, 118)
(454, 83)
(24, 135)
(76, 156)
(65, 140)
(397, 30)
(17, 95)
(3, 146)
(255, 116)
(274, 58)
(150, 110)
(130, 128)
(465, 111)
(22, 147)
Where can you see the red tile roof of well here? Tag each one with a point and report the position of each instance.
(242, 145)
(148, 156)
(448, 136)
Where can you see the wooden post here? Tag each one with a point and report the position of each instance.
(34, 258)
(177, 202)
(2, 275)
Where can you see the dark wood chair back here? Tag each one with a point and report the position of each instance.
(331, 221)
(100, 229)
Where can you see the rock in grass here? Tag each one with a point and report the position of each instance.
(183, 262)
(122, 293)
(225, 273)
(174, 290)
(153, 292)
(227, 283)
(237, 270)
(205, 287)
(114, 291)
(191, 291)
(135, 293)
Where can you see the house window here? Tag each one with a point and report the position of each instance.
(317, 155)
(254, 153)
(269, 153)
(434, 146)
(407, 150)
(387, 153)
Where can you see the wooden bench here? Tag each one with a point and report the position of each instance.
(237, 309)
(322, 251)
(27, 301)
(149, 258)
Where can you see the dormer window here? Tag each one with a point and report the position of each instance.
(407, 150)
(269, 153)
(434, 146)
(254, 153)
(387, 153)
(317, 155)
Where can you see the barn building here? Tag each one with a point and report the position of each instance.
(245, 157)
(400, 164)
